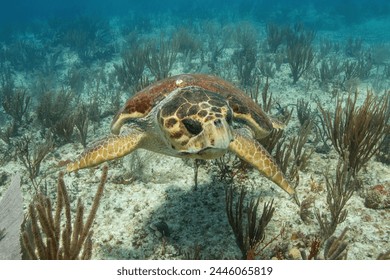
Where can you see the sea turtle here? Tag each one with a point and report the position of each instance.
(189, 116)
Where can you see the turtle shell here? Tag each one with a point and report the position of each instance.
(245, 110)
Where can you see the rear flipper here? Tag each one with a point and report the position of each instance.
(111, 147)
(252, 152)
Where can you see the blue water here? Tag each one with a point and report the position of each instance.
(20, 16)
(23, 12)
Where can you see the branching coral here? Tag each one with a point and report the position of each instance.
(32, 154)
(63, 129)
(275, 36)
(55, 112)
(266, 67)
(214, 46)
(47, 236)
(187, 43)
(353, 47)
(130, 72)
(244, 59)
(160, 56)
(328, 70)
(25, 55)
(359, 68)
(7, 133)
(54, 106)
(250, 234)
(291, 155)
(300, 52)
(336, 247)
(88, 37)
(304, 112)
(357, 132)
(339, 191)
(15, 103)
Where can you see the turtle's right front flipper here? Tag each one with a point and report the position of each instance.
(248, 149)
(111, 147)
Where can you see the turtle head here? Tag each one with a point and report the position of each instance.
(197, 123)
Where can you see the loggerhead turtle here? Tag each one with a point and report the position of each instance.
(189, 116)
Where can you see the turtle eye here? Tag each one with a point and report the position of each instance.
(194, 127)
(229, 117)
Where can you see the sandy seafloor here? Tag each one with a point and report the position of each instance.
(157, 188)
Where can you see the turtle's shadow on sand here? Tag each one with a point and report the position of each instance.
(194, 218)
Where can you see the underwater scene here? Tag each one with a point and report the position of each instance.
(235, 129)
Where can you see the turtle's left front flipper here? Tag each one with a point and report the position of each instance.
(248, 149)
(111, 147)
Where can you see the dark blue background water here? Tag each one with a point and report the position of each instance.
(21, 12)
